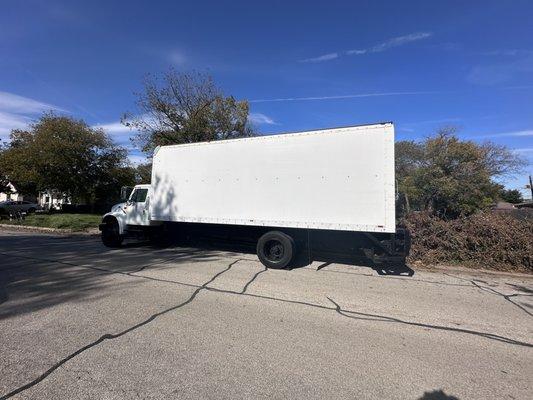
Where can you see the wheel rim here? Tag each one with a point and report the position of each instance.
(274, 250)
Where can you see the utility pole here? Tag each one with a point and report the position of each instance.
(531, 187)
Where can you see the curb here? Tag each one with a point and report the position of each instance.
(90, 232)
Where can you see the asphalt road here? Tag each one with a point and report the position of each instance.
(78, 320)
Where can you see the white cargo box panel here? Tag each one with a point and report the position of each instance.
(340, 179)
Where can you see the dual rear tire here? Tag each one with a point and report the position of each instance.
(275, 249)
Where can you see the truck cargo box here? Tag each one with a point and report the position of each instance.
(335, 179)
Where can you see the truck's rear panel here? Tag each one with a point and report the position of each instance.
(338, 179)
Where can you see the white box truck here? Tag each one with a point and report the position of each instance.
(278, 190)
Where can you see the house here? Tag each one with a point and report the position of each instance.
(53, 199)
(13, 194)
(50, 199)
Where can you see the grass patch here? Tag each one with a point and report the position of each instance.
(75, 222)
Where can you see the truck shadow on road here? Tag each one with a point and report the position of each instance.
(65, 269)
(41, 271)
(335, 254)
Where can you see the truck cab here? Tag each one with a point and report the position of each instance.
(130, 218)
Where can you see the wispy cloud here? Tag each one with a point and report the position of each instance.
(17, 112)
(346, 96)
(405, 129)
(524, 133)
(9, 121)
(261, 119)
(500, 71)
(394, 42)
(114, 128)
(524, 150)
(23, 105)
(356, 52)
(325, 57)
(122, 135)
(436, 121)
(378, 48)
(418, 125)
(507, 52)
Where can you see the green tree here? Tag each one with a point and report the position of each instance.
(143, 173)
(513, 196)
(184, 108)
(3, 174)
(451, 177)
(63, 153)
(3, 185)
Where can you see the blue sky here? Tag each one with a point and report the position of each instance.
(303, 65)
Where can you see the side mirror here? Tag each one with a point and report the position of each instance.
(125, 192)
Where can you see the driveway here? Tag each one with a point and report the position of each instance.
(78, 320)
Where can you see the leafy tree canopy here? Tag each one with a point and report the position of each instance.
(3, 173)
(184, 108)
(449, 176)
(59, 152)
(143, 173)
(513, 196)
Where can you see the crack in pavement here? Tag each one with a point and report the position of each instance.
(405, 278)
(245, 288)
(244, 293)
(505, 296)
(345, 313)
(111, 336)
(382, 318)
(474, 283)
(377, 317)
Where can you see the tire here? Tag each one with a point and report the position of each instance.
(111, 234)
(31, 210)
(275, 249)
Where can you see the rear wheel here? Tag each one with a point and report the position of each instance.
(31, 210)
(111, 234)
(275, 249)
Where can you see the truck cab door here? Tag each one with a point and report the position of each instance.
(137, 208)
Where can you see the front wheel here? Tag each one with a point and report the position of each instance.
(111, 234)
(275, 249)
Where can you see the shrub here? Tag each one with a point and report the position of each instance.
(492, 240)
